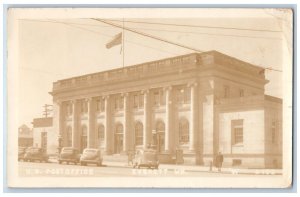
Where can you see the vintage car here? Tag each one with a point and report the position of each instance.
(21, 153)
(146, 158)
(69, 155)
(36, 154)
(91, 155)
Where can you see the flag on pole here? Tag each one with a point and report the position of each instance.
(115, 41)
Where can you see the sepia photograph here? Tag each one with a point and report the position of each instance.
(149, 97)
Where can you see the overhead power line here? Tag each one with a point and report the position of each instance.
(199, 26)
(148, 35)
(162, 30)
(98, 33)
(131, 29)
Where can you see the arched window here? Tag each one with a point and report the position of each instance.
(100, 135)
(160, 126)
(138, 130)
(183, 131)
(83, 138)
(158, 138)
(69, 136)
(83, 131)
(119, 129)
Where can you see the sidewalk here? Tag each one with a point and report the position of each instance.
(194, 168)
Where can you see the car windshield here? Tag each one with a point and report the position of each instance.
(150, 155)
(90, 151)
(67, 150)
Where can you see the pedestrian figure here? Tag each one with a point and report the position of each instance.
(219, 161)
(130, 157)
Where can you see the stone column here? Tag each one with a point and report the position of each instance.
(74, 124)
(169, 122)
(193, 117)
(91, 141)
(146, 139)
(107, 135)
(126, 130)
(58, 123)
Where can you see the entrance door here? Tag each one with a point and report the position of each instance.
(118, 143)
(161, 141)
(83, 143)
(160, 132)
(83, 139)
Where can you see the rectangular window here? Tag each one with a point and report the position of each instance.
(135, 101)
(162, 97)
(237, 132)
(119, 105)
(183, 95)
(100, 105)
(82, 108)
(69, 109)
(180, 97)
(141, 100)
(241, 92)
(226, 91)
(116, 103)
(273, 132)
(187, 95)
(156, 98)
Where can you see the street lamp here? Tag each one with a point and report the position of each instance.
(59, 143)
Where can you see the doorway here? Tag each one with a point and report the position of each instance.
(119, 139)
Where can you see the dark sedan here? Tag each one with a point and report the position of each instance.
(36, 154)
(69, 155)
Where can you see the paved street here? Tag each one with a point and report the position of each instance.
(63, 170)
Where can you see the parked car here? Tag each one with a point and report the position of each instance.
(36, 154)
(21, 153)
(69, 155)
(146, 158)
(91, 155)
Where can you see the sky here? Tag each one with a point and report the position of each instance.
(52, 49)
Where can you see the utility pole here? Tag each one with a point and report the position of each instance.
(47, 111)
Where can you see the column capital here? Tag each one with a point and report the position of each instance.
(145, 91)
(88, 100)
(125, 94)
(192, 84)
(73, 101)
(105, 97)
(168, 88)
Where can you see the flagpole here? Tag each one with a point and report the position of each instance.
(123, 36)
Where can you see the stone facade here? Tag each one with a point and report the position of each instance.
(167, 105)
